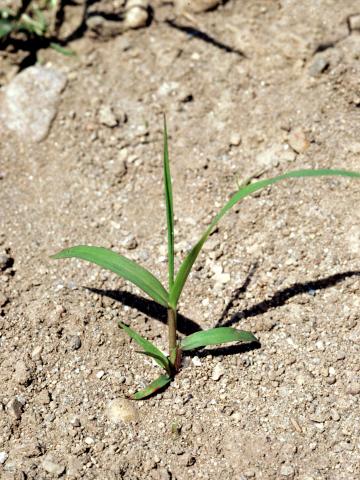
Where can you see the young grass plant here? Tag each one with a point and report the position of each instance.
(148, 283)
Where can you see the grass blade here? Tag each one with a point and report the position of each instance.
(154, 387)
(63, 50)
(120, 265)
(169, 207)
(216, 336)
(187, 264)
(149, 348)
(159, 360)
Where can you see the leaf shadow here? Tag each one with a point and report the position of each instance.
(185, 325)
(281, 297)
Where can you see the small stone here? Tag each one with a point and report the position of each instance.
(318, 66)
(272, 156)
(129, 242)
(196, 361)
(5, 261)
(137, 14)
(353, 388)
(354, 22)
(36, 353)
(3, 299)
(335, 415)
(121, 410)
(23, 373)
(107, 116)
(100, 374)
(100, 26)
(195, 6)
(235, 139)
(89, 440)
(52, 467)
(15, 408)
(43, 398)
(298, 140)
(3, 457)
(29, 103)
(75, 422)
(75, 342)
(287, 471)
(218, 372)
(222, 278)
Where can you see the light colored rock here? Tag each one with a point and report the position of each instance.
(36, 353)
(218, 372)
(298, 140)
(318, 66)
(137, 14)
(29, 103)
(129, 242)
(3, 457)
(107, 116)
(52, 467)
(272, 156)
(15, 408)
(353, 388)
(287, 471)
(235, 139)
(354, 22)
(195, 6)
(100, 26)
(196, 361)
(121, 410)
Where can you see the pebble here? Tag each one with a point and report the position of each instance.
(298, 140)
(195, 6)
(121, 410)
(5, 261)
(287, 470)
(196, 361)
(100, 374)
(75, 342)
(3, 457)
(222, 278)
(137, 14)
(29, 102)
(354, 22)
(103, 27)
(36, 353)
(318, 66)
(218, 372)
(272, 156)
(15, 408)
(3, 299)
(129, 242)
(107, 116)
(235, 139)
(353, 388)
(75, 422)
(23, 373)
(52, 467)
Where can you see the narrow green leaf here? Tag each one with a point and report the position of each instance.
(159, 360)
(149, 347)
(169, 207)
(120, 265)
(187, 264)
(6, 27)
(154, 387)
(216, 336)
(63, 50)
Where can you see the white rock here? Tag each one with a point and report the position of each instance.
(107, 116)
(121, 410)
(272, 156)
(137, 13)
(196, 361)
(3, 457)
(195, 6)
(52, 467)
(29, 103)
(298, 140)
(218, 372)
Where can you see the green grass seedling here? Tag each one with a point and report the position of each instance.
(169, 298)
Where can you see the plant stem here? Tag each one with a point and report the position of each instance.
(171, 316)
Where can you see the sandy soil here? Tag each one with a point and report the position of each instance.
(233, 98)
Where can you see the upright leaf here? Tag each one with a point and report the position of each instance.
(154, 387)
(169, 207)
(187, 264)
(120, 265)
(216, 336)
(149, 348)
